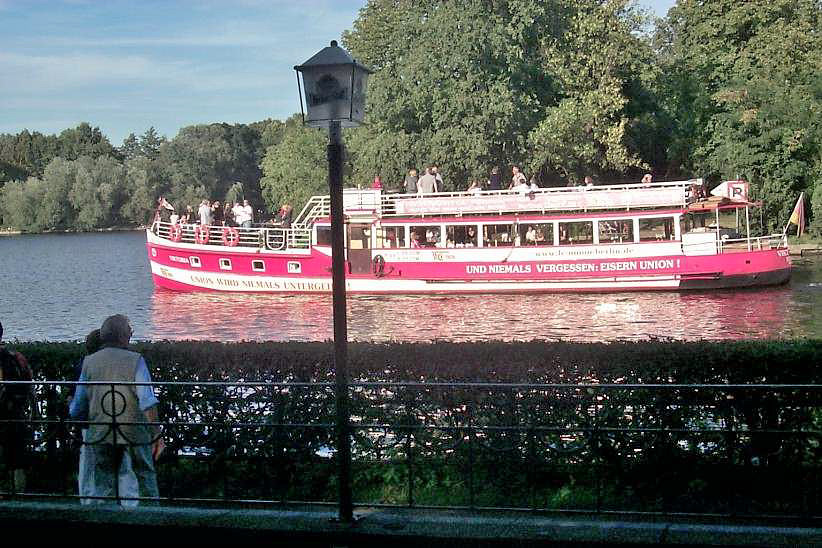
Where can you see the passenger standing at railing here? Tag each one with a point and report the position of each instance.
(494, 180)
(410, 182)
(15, 405)
(133, 444)
(205, 213)
(427, 184)
(517, 179)
(439, 186)
(217, 217)
(228, 215)
(248, 214)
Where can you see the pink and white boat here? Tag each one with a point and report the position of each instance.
(657, 236)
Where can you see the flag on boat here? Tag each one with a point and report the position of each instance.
(166, 205)
(798, 215)
(736, 191)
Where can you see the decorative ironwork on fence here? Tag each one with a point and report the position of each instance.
(703, 450)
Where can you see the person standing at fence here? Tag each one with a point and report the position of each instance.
(15, 405)
(128, 481)
(132, 445)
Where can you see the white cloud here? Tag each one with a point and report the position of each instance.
(37, 73)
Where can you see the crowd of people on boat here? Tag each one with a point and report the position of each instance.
(431, 181)
(213, 213)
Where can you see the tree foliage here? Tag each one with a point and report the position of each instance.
(752, 94)
(565, 88)
(296, 167)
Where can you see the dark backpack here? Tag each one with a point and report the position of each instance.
(14, 398)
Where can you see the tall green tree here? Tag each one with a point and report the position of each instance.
(745, 78)
(469, 85)
(296, 168)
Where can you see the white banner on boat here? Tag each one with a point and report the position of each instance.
(580, 199)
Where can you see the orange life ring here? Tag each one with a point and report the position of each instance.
(231, 236)
(201, 234)
(175, 233)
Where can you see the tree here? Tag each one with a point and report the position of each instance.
(296, 168)
(83, 140)
(469, 85)
(750, 71)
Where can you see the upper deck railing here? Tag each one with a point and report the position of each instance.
(371, 202)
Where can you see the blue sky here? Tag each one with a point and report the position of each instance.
(128, 65)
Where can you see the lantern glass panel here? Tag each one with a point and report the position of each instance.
(327, 93)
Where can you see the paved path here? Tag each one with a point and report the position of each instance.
(313, 526)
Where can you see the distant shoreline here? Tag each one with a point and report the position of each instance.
(14, 232)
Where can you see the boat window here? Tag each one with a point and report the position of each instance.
(461, 235)
(498, 235)
(656, 229)
(536, 233)
(616, 231)
(194, 261)
(323, 235)
(426, 236)
(391, 236)
(576, 233)
(225, 264)
(258, 266)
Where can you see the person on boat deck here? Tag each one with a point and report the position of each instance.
(475, 188)
(248, 214)
(415, 240)
(410, 182)
(228, 215)
(284, 216)
(427, 183)
(471, 236)
(188, 217)
(238, 213)
(435, 171)
(377, 184)
(205, 213)
(174, 218)
(494, 180)
(588, 181)
(161, 214)
(517, 179)
(531, 235)
(217, 216)
(647, 179)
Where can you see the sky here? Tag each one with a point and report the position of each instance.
(127, 65)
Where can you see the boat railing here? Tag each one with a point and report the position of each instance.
(577, 198)
(317, 207)
(758, 243)
(272, 238)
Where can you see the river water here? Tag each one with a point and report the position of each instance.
(61, 286)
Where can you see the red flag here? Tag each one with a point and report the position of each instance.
(798, 215)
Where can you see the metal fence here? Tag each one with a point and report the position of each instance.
(668, 450)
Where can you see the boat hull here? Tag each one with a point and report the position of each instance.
(446, 271)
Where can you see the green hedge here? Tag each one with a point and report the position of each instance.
(781, 361)
(581, 448)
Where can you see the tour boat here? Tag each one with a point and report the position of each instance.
(638, 236)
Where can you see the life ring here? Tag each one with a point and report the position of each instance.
(231, 236)
(201, 234)
(378, 266)
(175, 233)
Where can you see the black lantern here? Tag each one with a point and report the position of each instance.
(334, 86)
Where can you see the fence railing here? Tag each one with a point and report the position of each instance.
(672, 450)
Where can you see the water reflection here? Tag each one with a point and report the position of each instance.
(579, 317)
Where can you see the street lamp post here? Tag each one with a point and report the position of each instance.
(334, 86)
